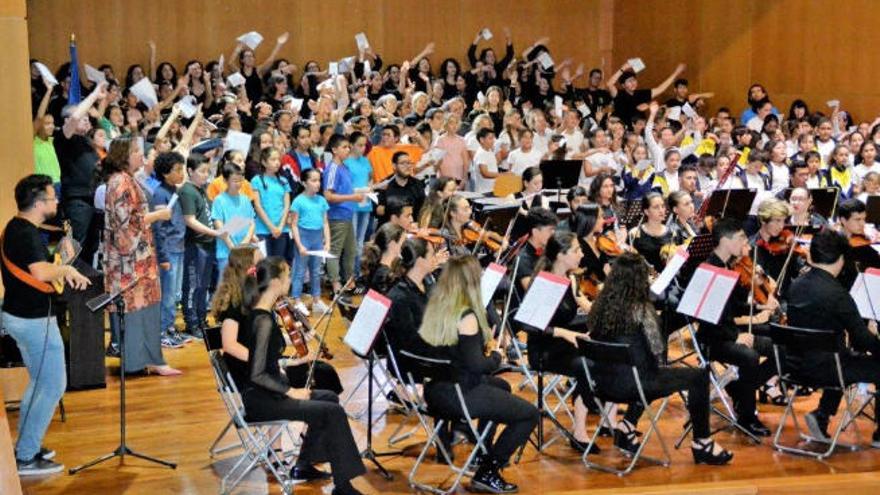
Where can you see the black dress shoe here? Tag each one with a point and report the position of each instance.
(488, 480)
(308, 473)
(626, 440)
(705, 455)
(581, 447)
(756, 427)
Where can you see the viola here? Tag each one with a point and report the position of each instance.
(297, 327)
(764, 285)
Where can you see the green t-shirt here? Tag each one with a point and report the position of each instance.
(193, 201)
(45, 159)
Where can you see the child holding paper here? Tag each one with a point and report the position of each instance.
(229, 206)
(272, 202)
(311, 232)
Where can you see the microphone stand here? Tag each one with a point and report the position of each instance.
(95, 305)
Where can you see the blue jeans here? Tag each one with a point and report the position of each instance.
(361, 221)
(199, 263)
(171, 281)
(313, 240)
(34, 336)
(282, 246)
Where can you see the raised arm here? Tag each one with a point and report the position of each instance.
(185, 143)
(261, 70)
(611, 84)
(44, 104)
(82, 109)
(528, 50)
(659, 90)
(428, 50)
(152, 45)
(508, 50)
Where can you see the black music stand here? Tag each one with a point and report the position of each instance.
(698, 251)
(95, 305)
(497, 218)
(734, 203)
(630, 213)
(564, 174)
(824, 200)
(872, 210)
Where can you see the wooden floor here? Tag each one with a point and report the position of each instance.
(177, 419)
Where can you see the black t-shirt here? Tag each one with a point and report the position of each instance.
(413, 194)
(597, 98)
(253, 85)
(77, 160)
(193, 201)
(675, 102)
(625, 104)
(23, 245)
(237, 368)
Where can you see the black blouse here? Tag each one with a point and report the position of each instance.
(265, 347)
(649, 246)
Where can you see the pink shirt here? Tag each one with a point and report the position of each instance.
(453, 164)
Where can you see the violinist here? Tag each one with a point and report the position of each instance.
(461, 233)
(851, 216)
(269, 396)
(729, 341)
(554, 348)
(681, 219)
(381, 257)
(802, 214)
(603, 194)
(399, 212)
(575, 197)
(651, 235)
(542, 226)
(431, 214)
(687, 181)
(775, 246)
(533, 184)
(587, 225)
(402, 185)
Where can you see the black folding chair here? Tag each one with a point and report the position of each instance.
(787, 339)
(214, 342)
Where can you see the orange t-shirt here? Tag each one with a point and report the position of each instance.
(380, 159)
(218, 186)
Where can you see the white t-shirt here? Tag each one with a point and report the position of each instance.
(487, 158)
(862, 170)
(825, 149)
(541, 142)
(780, 177)
(573, 142)
(520, 160)
(599, 160)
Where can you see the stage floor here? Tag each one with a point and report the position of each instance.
(177, 418)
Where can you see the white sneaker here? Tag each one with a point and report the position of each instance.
(318, 307)
(299, 306)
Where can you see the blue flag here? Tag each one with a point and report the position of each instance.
(74, 94)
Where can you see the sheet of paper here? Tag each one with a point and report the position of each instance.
(583, 109)
(669, 272)
(145, 92)
(46, 73)
(261, 245)
(492, 276)
(688, 110)
(296, 104)
(220, 63)
(94, 75)
(321, 254)
(172, 201)
(486, 34)
(239, 141)
(346, 64)
(545, 60)
(252, 39)
(481, 97)
(187, 106)
(636, 64)
(436, 154)
(333, 68)
(361, 40)
(542, 299)
(236, 225)
(859, 293)
(367, 322)
(557, 105)
(673, 113)
(643, 164)
(833, 103)
(235, 80)
(707, 293)
(367, 70)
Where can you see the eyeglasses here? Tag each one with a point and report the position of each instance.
(53, 199)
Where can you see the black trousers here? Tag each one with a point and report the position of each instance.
(488, 401)
(670, 380)
(325, 376)
(752, 372)
(329, 437)
(856, 369)
(562, 358)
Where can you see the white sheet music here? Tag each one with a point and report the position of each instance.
(145, 92)
(236, 225)
(669, 272)
(361, 40)
(367, 322)
(251, 39)
(636, 64)
(866, 293)
(492, 276)
(239, 141)
(542, 299)
(46, 73)
(707, 293)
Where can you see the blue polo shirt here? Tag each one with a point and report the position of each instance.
(272, 191)
(337, 178)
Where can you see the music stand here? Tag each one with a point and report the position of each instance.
(497, 218)
(564, 174)
(734, 203)
(630, 213)
(699, 249)
(872, 210)
(95, 305)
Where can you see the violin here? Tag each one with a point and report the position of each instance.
(607, 243)
(430, 234)
(297, 327)
(472, 232)
(783, 243)
(860, 240)
(764, 285)
(586, 283)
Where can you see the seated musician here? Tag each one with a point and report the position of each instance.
(542, 226)
(729, 341)
(681, 216)
(651, 236)
(268, 396)
(623, 313)
(588, 226)
(554, 348)
(431, 214)
(802, 214)
(458, 221)
(819, 301)
(381, 256)
(603, 194)
(530, 197)
(399, 211)
(575, 197)
(851, 217)
(455, 325)
(773, 244)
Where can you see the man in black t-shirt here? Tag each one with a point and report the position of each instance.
(403, 185)
(631, 102)
(28, 318)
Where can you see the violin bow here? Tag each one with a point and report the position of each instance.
(752, 289)
(480, 238)
(799, 230)
(321, 336)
